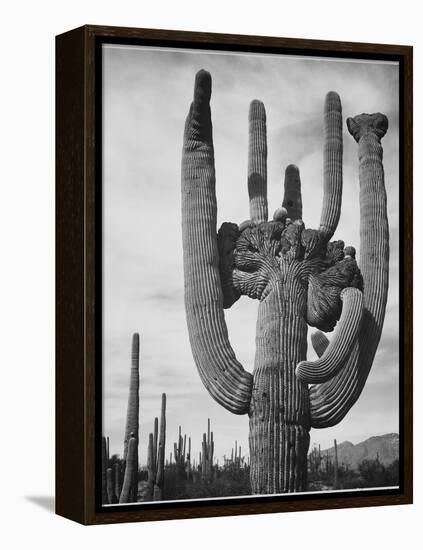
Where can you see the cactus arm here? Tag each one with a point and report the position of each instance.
(292, 199)
(319, 342)
(339, 350)
(332, 165)
(130, 471)
(330, 402)
(221, 373)
(257, 162)
(132, 415)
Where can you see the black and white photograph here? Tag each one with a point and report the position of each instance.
(250, 274)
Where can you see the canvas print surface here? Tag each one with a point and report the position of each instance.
(250, 260)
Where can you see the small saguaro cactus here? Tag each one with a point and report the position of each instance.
(301, 278)
(207, 447)
(161, 449)
(336, 472)
(189, 459)
(156, 456)
(104, 466)
(179, 449)
(132, 420)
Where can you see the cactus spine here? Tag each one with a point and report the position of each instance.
(299, 278)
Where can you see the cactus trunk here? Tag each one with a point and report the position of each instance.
(279, 416)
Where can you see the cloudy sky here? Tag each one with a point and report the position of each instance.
(146, 96)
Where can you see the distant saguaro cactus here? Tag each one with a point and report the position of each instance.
(300, 278)
(336, 472)
(132, 420)
(104, 466)
(156, 456)
(161, 449)
(207, 447)
(179, 449)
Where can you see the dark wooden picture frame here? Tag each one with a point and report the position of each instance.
(78, 274)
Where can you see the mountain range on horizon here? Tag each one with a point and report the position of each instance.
(385, 447)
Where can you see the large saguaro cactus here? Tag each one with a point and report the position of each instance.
(300, 278)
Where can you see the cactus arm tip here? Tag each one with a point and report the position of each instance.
(332, 165)
(257, 162)
(292, 200)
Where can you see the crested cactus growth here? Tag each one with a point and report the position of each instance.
(300, 278)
